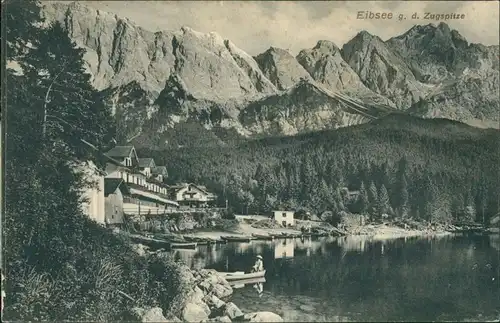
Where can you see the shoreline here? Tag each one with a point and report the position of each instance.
(373, 231)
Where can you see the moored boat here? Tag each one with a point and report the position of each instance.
(236, 238)
(262, 236)
(150, 242)
(239, 276)
(183, 245)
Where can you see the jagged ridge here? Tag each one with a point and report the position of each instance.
(171, 77)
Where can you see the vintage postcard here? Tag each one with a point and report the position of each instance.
(250, 161)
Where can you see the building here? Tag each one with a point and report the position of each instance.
(192, 195)
(146, 165)
(125, 155)
(129, 175)
(93, 197)
(145, 195)
(284, 218)
(114, 191)
(159, 173)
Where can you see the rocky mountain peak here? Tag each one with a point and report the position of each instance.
(326, 46)
(281, 68)
(325, 64)
(436, 52)
(381, 70)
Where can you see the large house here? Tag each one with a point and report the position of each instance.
(146, 194)
(192, 195)
(134, 186)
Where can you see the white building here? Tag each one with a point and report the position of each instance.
(94, 205)
(284, 218)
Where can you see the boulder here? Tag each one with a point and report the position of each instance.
(262, 317)
(222, 291)
(209, 281)
(205, 286)
(196, 297)
(186, 274)
(194, 313)
(213, 301)
(232, 311)
(154, 314)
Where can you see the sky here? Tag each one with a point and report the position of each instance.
(254, 26)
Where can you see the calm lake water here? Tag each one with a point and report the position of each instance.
(451, 278)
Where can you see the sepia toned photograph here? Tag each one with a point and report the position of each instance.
(250, 161)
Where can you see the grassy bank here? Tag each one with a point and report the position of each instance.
(102, 280)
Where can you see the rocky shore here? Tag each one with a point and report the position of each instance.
(207, 299)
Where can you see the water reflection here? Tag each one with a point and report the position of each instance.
(257, 285)
(284, 248)
(358, 278)
(353, 243)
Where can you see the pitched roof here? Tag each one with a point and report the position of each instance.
(120, 151)
(146, 162)
(159, 170)
(112, 184)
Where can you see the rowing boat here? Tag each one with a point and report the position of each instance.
(239, 276)
(262, 236)
(236, 238)
(183, 245)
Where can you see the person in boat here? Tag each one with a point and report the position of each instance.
(259, 264)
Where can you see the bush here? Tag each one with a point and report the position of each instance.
(228, 214)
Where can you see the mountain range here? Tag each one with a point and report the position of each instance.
(162, 82)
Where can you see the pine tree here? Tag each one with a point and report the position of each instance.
(373, 197)
(325, 198)
(70, 109)
(363, 198)
(22, 21)
(383, 201)
(403, 197)
(470, 207)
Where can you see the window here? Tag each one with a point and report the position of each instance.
(284, 214)
(128, 161)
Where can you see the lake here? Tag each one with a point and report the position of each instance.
(448, 278)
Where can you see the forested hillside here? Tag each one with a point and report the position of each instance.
(430, 169)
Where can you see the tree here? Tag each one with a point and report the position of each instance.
(325, 197)
(363, 198)
(403, 197)
(71, 109)
(383, 201)
(470, 207)
(373, 197)
(22, 22)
